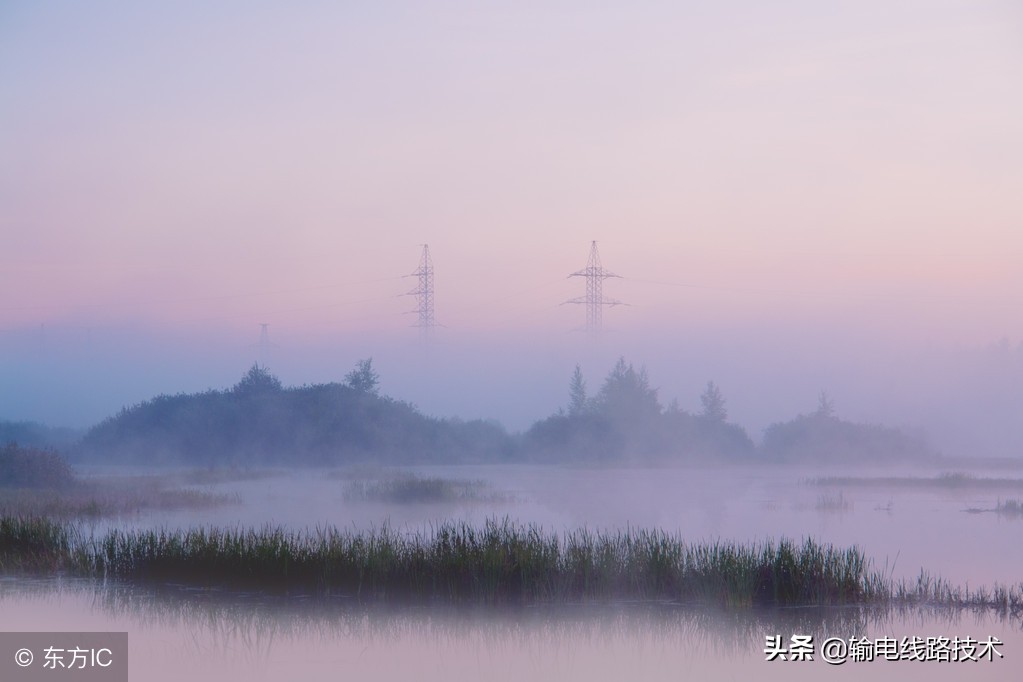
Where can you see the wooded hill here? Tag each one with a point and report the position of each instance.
(259, 421)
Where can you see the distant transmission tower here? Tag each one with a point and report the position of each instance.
(595, 275)
(424, 294)
(264, 344)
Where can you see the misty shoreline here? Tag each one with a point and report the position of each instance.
(260, 422)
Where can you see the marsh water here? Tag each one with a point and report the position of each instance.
(178, 633)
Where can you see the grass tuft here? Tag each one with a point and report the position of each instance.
(1013, 508)
(833, 503)
(34, 544)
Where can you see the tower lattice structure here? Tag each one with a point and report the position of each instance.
(424, 294)
(594, 300)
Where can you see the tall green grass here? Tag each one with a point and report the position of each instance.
(500, 562)
(496, 563)
(34, 544)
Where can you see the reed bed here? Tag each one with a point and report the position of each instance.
(37, 482)
(97, 499)
(833, 503)
(34, 544)
(1013, 508)
(413, 489)
(1010, 508)
(497, 563)
(931, 590)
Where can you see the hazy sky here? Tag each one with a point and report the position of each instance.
(792, 188)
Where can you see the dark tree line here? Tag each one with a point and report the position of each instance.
(31, 467)
(260, 421)
(33, 434)
(625, 421)
(822, 437)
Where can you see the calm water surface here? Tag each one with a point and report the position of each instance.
(904, 530)
(194, 635)
(200, 637)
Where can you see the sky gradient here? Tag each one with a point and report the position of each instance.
(792, 189)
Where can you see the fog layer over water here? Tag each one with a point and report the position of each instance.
(963, 396)
(902, 528)
(211, 634)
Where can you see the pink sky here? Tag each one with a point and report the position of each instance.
(190, 172)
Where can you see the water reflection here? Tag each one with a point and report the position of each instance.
(175, 633)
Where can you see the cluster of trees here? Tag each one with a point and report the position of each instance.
(260, 421)
(821, 436)
(625, 420)
(31, 467)
(33, 434)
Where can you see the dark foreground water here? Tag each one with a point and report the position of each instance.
(177, 634)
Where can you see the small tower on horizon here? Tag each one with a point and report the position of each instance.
(264, 346)
(594, 299)
(424, 295)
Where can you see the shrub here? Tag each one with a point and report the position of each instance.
(33, 468)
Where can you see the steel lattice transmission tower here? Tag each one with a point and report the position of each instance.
(424, 294)
(264, 345)
(595, 275)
